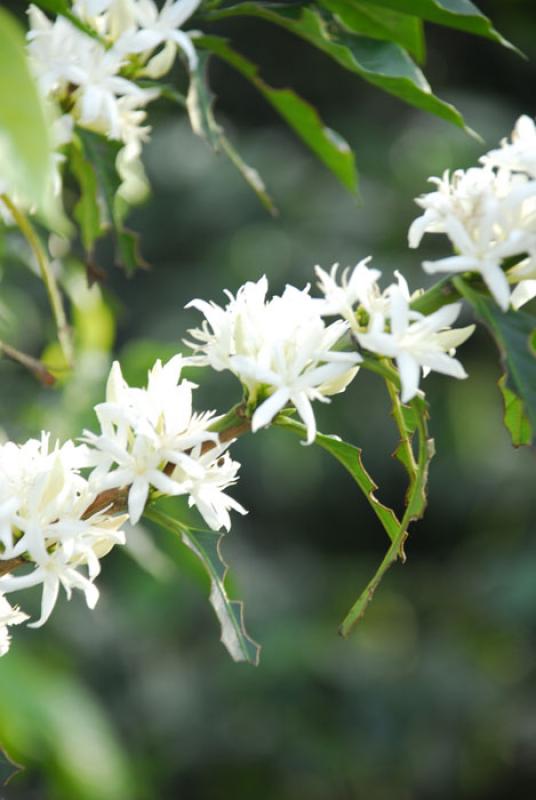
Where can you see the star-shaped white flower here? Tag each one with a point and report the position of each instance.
(418, 346)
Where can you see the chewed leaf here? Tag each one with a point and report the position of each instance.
(351, 459)
(514, 333)
(206, 546)
(8, 768)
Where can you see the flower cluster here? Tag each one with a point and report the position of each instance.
(489, 214)
(59, 523)
(283, 352)
(280, 349)
(46, 520)
(92, 77)
(385, 324)
(151, 438)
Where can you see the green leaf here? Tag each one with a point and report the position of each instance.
(206, 546)
(383, 64)
(8, 768)
(25, 143)
(379, 23)
(514, 333)
(351, 459)
(199, 103)
(86, 210)
(460, 14)
(415, 507)
(327, 145)
(101, 154)
(515, 416)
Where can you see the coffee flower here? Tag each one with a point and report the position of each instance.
(280, 349)
(418, 345)
(46, 519)
(8, 616)
(151, 439)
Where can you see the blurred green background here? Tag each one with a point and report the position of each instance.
(435, 695)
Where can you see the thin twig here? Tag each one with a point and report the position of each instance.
(54, 295)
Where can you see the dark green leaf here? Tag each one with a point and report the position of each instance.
(206, 546)
(384, 64)
(460, 14)
(102, 154)
(513, 332)
(86, 210)
(379, 23)
(351, 459)
(25, 142)
(200, 108)
(8, 768)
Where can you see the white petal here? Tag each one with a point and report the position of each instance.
(409, 375)
(137, 497)
(265, 413)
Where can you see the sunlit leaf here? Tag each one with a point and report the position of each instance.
(206, 546)
(384, 64)
(327, 145)
(25, 140)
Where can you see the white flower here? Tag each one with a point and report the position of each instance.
(161, 27)
(48, 521)
(152, 438)
(280, 349)
(524, 275)
(422, 345)
(8, 616)
(206, 491)
(488, 215)
(519, 155)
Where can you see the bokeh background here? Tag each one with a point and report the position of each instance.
(435, 695)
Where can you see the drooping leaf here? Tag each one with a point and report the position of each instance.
(460, 14)
(327, 145)
(102, 154)
(199, 104)
(351, 459)
(514, 333)
(8, 768)
(206, 546)
(380, 23)
(25, 139)
(383, 64)
(86, 211)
